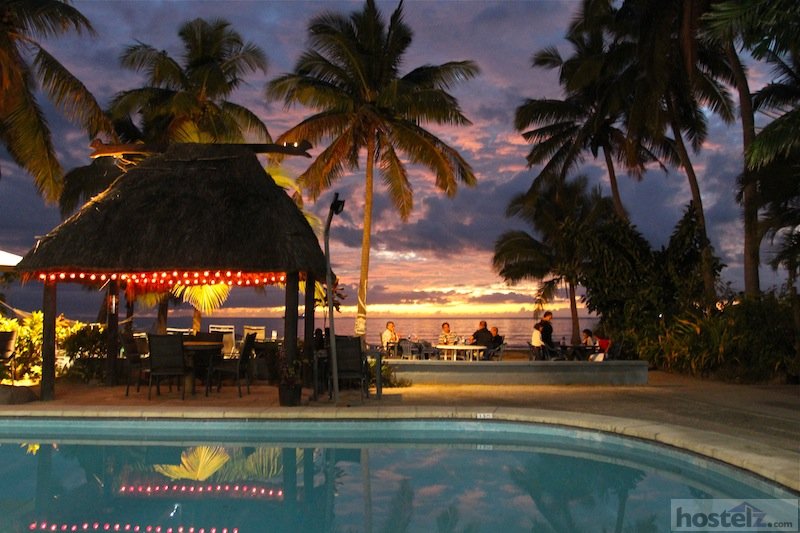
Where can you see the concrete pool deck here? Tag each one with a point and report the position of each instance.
(754, 427)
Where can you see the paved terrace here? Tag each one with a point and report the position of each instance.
(755, 427)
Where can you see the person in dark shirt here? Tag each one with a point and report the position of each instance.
(493, 345)
(482, 336)
(547, 330)
(497, 339)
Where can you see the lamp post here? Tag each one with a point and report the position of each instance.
(336, 207)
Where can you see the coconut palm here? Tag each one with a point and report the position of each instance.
(187, 100)
(24, 65)
(673, 90)
(591, 117)
(351, 77)
(563, 215)
(767, 29)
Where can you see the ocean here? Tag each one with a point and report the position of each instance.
(517, 331)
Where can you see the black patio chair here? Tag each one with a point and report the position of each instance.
(8, 341)
(167, 360)
(351, 364)
(136, 362)
(238, 367)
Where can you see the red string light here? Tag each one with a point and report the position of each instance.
(238, 491)
(112, 526)
(162, 280)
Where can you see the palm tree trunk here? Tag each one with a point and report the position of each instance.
(197, 320)
(361, 312)
(612, 179)
(161, 319)
(697, 201)
(573, 309)
(752, 236)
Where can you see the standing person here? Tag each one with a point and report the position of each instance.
(537, 346)
(447, 336)
(389, 337)
(547, 330)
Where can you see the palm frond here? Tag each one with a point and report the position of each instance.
(70, 95)
(204, 298)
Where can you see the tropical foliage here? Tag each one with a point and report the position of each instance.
(187, 101)
(350, 76)
(25, 66)
(565, 216)
(28, 351)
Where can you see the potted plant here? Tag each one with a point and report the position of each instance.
(290, 381)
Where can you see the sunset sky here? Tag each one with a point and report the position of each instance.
(440, 261)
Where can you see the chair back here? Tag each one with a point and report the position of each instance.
(208, 336)
(141, 343)
(166, 353)
(246, 352)
(8, 341)
(408, 348)
(179, 331)
(260, 331)
(130, 347)
(228, 337)
(349, 359)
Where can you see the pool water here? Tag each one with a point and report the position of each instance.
(346, 476)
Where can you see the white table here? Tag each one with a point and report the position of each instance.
(470, 351)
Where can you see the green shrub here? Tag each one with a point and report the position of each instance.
(28, 351)
(85, 351)
(747, 341)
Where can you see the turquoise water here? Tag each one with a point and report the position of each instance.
(317, 476)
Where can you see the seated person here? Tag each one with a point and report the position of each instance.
(587, 347)
(603, 345)
(447, 336)
(389, 337)
(497, 339)
(494, 344)
(587, 339)
(482, 336)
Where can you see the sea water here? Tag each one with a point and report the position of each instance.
(516, 330)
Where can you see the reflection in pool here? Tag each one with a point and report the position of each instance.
(371, 476)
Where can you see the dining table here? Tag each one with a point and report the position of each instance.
(200, 356)
(471, 352)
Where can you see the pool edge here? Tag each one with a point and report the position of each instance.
(774, 464)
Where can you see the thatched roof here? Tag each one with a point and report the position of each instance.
(196, 208)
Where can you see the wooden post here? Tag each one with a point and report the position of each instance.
(308, 321)
(291, 315)
(48, 384)
(112, 333)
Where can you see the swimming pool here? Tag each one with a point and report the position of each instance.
(198, 476)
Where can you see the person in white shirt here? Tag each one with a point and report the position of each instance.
(389, 336)
(447, 336)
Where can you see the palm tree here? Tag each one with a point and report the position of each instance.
(592, 115)
(187, 101)
(673, 88)
(563, 215)
(350, 77)
(182, 102)
(24, 64)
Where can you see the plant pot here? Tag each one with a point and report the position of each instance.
(289, 395)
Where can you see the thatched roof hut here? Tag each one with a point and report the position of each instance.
(196, 209)
(196, 214)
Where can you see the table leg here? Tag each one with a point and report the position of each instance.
(378, 377)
